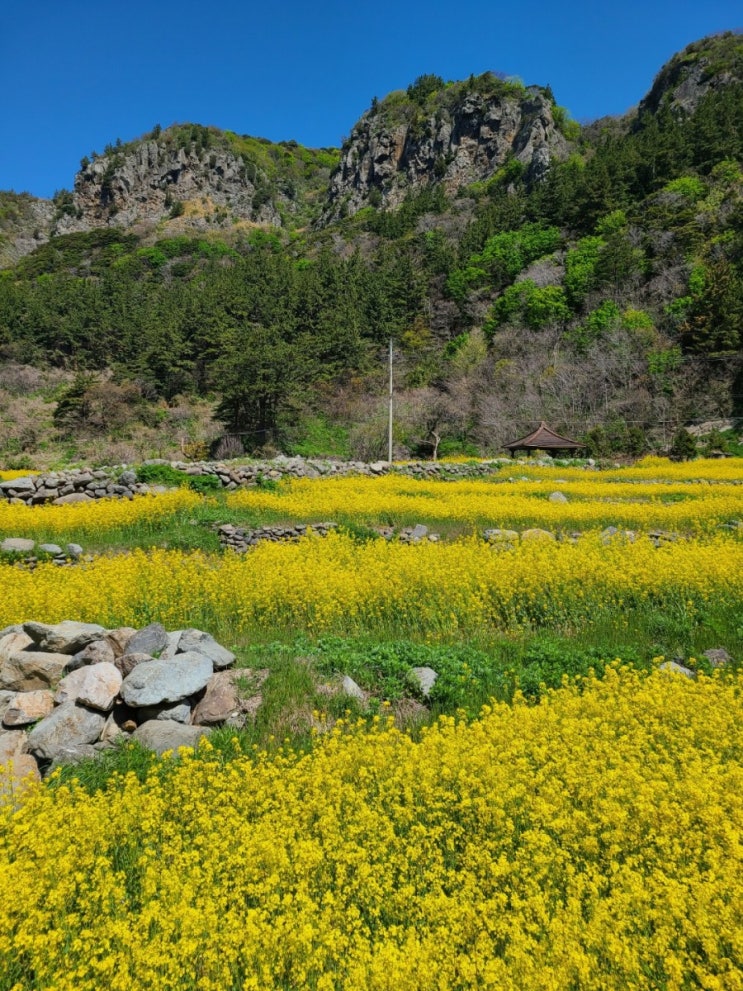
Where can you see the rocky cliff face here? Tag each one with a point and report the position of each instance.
(25, 222)
(461, 137)
(687, 77)
(151, 181)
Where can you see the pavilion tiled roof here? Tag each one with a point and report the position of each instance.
(544, 438)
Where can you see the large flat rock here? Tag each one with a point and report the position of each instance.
(155, 682)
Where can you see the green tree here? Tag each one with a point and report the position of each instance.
(259, 375)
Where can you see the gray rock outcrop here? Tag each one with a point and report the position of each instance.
(400, 146)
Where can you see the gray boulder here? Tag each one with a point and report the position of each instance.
(204, 643)
(67, 637)
(25, 484)
(155, 682)
(179, 712)
(353, 690)
(68, 726)
(50, 548)
(17, 545)
(171, 647)
(424, 678)
(558, 497)
(149, 640)
(718, 657)
(673, 667)
(72, 497)
(97, 652)
(163, 734)
(73, 755)
(128, 662)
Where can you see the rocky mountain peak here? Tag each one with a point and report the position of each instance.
(451, 133)
(686, 78)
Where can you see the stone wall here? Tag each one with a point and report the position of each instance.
(83, 485)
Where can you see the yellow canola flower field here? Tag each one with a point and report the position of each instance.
(96, 517)
(647, 469)
(592, 842)
(336, 583)
(593, 503)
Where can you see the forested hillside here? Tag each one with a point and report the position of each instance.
(525, 268)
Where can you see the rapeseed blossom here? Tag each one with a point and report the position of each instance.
(594, 502)
(337, 583)
(592, 841)
(93, 518)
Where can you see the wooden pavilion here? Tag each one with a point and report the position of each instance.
(544, 438)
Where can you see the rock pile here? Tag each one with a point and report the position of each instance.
(80, 485)
(72, 689)
(239, 539)
(33, 552)
(408, 534)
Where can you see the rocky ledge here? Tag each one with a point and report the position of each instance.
(70, 690)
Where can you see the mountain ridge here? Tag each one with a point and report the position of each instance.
(452, 134)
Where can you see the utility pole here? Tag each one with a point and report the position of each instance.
(389, 431)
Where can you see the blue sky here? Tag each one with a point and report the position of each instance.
(76, 75)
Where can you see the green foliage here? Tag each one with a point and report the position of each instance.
(709, 319)
(596, 325)
(318, 437)
(503, 256)
(125, 757)
(534, 305)
(158, 474)
(637, 320)
(581, 269)
(423, 87)
(568, 127)
(683, 445)
(615, 438)
(691, 187)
